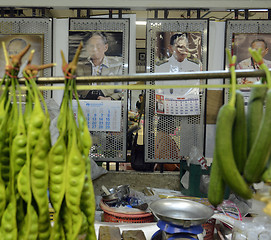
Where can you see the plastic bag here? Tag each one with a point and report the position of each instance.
(196, 158)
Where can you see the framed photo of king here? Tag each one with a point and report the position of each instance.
(15, 43)
(240, 36)
(241, 42)
(113, 52)
(178, 52)
(193, 44)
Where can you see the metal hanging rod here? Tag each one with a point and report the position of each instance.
(145, 77)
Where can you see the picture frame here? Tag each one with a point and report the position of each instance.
(241, 43)
(117, 29)
(28, 27)
(15, 43)
(240, 35)
(114, 39)
(163, 41)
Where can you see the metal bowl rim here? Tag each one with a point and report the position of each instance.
(193, 220)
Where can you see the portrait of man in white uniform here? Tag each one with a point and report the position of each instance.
(180, 60)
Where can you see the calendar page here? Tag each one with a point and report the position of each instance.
(101, 115)
(188, 104)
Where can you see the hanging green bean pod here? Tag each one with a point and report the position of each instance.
(39, 179)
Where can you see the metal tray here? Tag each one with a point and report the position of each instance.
(181, 212)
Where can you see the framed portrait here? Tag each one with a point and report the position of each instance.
(241, 43)
(15, 43)
(17, 32)
(114, 41)
(194, 48)
(240, 36)
(116, 32)
(177, 52)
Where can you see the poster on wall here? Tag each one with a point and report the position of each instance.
(242, 35)
(178, 52)
(107, 43)
(101, 55)
(241, 43)
(15, 43)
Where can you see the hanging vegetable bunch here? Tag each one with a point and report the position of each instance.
(29, 165)
(243, 138)
(70, 184)
(25, 142)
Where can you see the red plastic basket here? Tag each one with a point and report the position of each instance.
(110, 215)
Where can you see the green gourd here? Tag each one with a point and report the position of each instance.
(224, 152)
(239, 132)
(216, 188)
(261, 149)
(255, 113)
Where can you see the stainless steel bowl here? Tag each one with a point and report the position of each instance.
(123, 190)
(112, 197)
(117, 194)
(181, 212)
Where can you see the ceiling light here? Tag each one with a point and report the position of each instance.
(141, 23)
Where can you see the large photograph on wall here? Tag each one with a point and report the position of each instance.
(241, 43)
(240, 36)
(101, 55)
(91, 43)
(16, 32)
(178, 52)
(15, 43)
